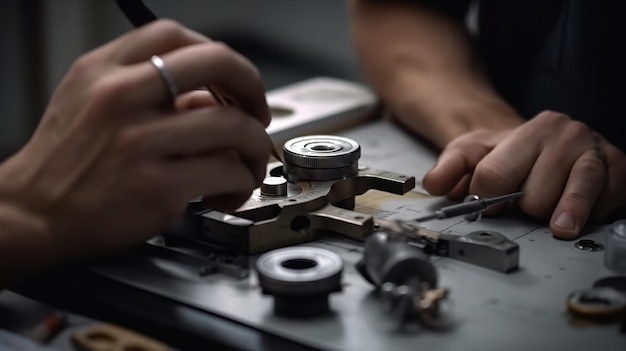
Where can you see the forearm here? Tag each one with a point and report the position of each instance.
(421, 63)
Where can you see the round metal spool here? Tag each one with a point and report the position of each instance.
(321, 157)
(300, 279)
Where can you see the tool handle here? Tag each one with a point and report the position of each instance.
(461, 209)
(136, 11)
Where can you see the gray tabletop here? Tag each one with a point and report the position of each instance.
(523, 310)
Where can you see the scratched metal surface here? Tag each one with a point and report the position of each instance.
(524, 310)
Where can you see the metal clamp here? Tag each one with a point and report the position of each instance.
(486, 249)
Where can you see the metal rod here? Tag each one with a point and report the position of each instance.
(468, 207)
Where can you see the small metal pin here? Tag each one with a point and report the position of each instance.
(475, 204)
(275, 154)
(224, 102)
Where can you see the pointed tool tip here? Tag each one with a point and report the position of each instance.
(503, 198)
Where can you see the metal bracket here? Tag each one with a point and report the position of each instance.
(486, 249)
(309, 209)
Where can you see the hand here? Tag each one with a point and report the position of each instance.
(114, 160)
(569, 173)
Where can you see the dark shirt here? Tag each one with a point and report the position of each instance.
(562, 55)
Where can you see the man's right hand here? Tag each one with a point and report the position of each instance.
(569, 173)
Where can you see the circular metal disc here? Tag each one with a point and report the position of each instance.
(321, 151)
(299, 270)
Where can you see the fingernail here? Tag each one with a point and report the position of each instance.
(565, 221)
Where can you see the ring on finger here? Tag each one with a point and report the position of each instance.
(159, 64)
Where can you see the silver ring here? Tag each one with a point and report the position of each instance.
(158, 63)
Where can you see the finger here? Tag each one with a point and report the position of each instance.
(553, 167)
(455, 162)
(218, 175)
(155, 38)
(194, 99)
(450, 168)
(461, 189)
(583, 187)
(613, 196)
(210, 64)
(204, 130)
(226, 203)
(509, 163)
(506, 166)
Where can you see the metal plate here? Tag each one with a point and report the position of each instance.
(524, 310)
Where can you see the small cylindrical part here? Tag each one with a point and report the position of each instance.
(388, 260)
(274, 186)
(615, 252)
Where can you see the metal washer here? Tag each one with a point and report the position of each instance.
(300, 279)
(320, 271)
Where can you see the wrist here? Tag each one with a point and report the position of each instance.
(441, 107)
(26, 241)
(25, 244)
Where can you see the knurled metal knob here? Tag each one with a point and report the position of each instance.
(321, 157)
